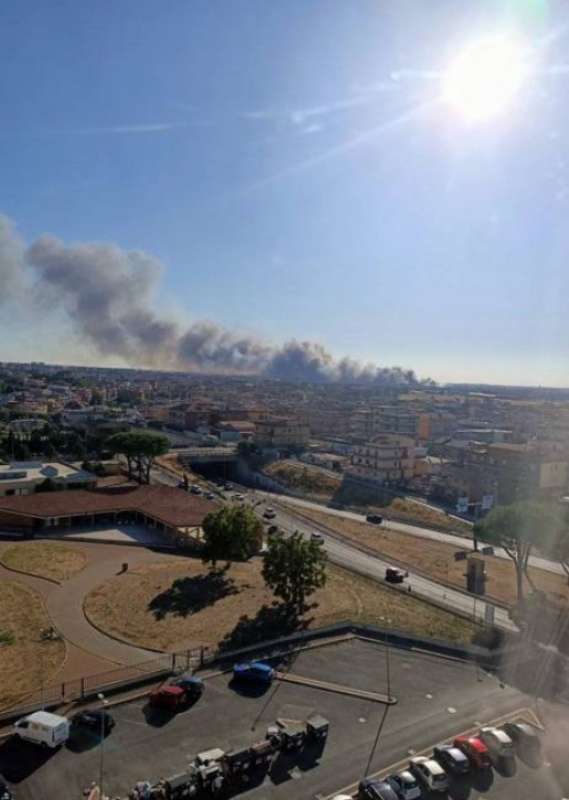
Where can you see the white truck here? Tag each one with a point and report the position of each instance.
(44, 728)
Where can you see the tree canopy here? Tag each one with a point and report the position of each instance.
(140, 448)
(294, 568)
(518, 528)
(233, 533)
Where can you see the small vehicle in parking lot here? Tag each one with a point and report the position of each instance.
(452, 759)
(430, 773)
(373, 789)
(192, 686)
(95, 720)
(405, 785)
(317, 538)
(254, 672)
(5, 793)
(41, 727)
(474, 749)
(525, 738)
(270, 513)
(497, 741)
(375, 519)
(169, 698)
(394, 575)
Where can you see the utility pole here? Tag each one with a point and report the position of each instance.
(105, 702)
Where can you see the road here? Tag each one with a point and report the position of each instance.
(460, 542)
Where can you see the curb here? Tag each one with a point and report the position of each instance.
(113, 636)
(30, 574)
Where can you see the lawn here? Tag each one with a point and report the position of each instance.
(27, 662)
(46, 559)
(175, 605)
(436, 559)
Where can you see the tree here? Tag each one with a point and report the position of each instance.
(558, 546)
(233, 533)
(517, 528)
(140, 448)
(294, 568)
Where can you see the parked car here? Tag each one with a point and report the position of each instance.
(44, 728)
(375, 519)
(373, 789)
(5, 793)
(525, 738)
(94, 720)
(430, 773)
(253, 671)
(474, 749)
(394, 575)
(452, 759)
(498, 742)
(270, 513)
(169, 698)
(192, 686)
(405, 785)
(317, 538)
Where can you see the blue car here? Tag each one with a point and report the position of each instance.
(254, 671)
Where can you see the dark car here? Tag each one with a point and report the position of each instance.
(95, 720)
(192, 686)
(372, 789)
(452, 759)
(525, 738)
(5, 793)
(375, 519)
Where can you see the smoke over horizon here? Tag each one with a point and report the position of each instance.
(107, 293)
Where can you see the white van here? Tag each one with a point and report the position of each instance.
(41, 727)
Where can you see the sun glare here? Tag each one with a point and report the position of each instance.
(485, 77)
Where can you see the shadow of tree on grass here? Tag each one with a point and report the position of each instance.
(192, 594)
(270, 622)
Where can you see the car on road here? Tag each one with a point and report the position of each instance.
(375, 519)
(193, 686)
(270, 513)
(209, 496)
(474, 749)
(525, 738)
(498, 742)
(430, 773)
(452, 759)
(405, 785)
(195, 489)
(95, 720)
(238, 497)
(373, 789)
(394, 575)
(253, 672)
(228, 487)
(5, 793)
(317, 538)
(273, 530)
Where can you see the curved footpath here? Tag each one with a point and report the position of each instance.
(88, 649)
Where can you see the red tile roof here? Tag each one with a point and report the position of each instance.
(174, 507)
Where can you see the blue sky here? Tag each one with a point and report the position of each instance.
(291, 167)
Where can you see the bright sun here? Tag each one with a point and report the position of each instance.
(485, 78)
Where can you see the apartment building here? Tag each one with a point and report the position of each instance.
(282, 433)
(387, 457)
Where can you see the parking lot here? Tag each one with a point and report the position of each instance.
(437, 698)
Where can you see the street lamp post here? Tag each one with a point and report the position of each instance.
(105, 702)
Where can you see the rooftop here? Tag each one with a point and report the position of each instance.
(24, 471)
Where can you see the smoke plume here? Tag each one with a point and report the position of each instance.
(107, 294)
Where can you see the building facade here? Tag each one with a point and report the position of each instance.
(385, 458)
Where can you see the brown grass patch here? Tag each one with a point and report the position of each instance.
(431, 517)
(46, 559)
(436, 559)
(174, 605)
(26, 663)
(304, 477)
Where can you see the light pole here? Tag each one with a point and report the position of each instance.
(104, 702)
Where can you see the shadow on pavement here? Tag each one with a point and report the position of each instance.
(460, 787)
(157, 717)
(246, 689)
(506, 767)
(19, 760)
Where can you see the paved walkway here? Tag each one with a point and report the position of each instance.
(88, 650)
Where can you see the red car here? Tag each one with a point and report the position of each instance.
(171, 698)
(475, 750)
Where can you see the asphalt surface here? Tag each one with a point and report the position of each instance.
(437, 699)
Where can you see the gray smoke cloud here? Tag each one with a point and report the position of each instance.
(107, 293)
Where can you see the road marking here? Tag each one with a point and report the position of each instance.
(402, 763)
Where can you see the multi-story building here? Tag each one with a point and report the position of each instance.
(387, 457)
(282, 433)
